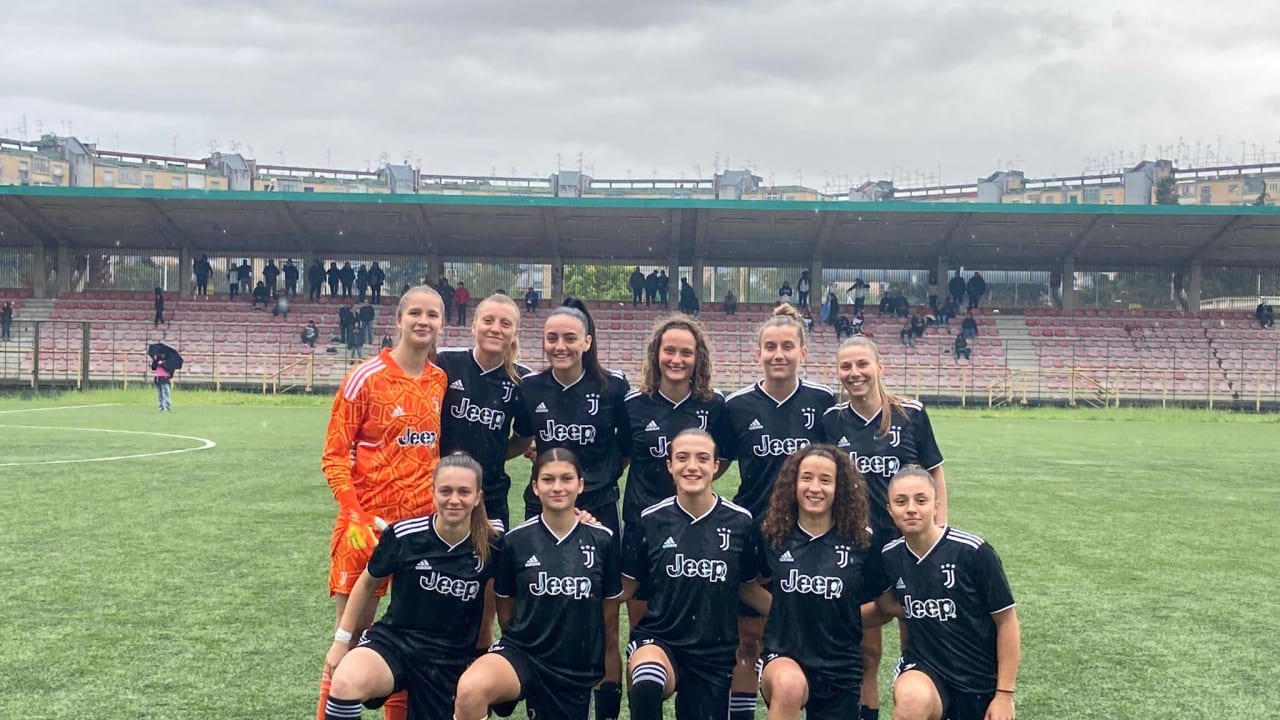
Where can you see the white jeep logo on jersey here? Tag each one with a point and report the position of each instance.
(883, 465)
(588, 555)
(809, 417)
(488, 417)
(554, 431)
(593, 403)
(465, 590)
(713, 570)
(724, 537)
(943, 610)
(661, 450)
(842, 556)
(574, 587)
(830, 588)
(769, 445)
(948, 575)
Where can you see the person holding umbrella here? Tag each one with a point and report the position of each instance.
(164, 361)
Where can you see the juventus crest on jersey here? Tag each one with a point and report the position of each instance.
(655, 421)
(587, 417)
(948, 596)
(482, 409)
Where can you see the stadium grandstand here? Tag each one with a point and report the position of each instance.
(1158, 306)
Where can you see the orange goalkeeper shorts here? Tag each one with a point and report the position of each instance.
(346, 563)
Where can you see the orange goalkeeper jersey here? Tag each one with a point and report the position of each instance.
(390, 423)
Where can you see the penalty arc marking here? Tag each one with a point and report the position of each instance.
(205, 444)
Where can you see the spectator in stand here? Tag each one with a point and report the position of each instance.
(956, 288)
(859, 290)
(784, 293)
(906, 335)
(245, 273)
(831, 309)
(636, 282)
(281, 307)
(531, 301)
(887, 305)
(404, 289)
(387, 342)
(969, 326)
(346, 319)
(461, 298)
(803, 286)
(688, 298)
(271, 273)
(933, 291)
(807, 319)
(918, 325)
(290, 279)
(902, 306)
(333, 276)
(362, 284)
(159, 304)
(366, 316)
(233, 280)
(1265, 314)
(315, 280)
(202, 270)
(844, 327)
(730, 303)
(960, 348)
(355, 340)
(6, 320)
(664, 288)
(376, 280)
(651, 288)
(310, 334)
(948, 311)
(261, 295)
(976, 288)
(446, 297)
(347, 277)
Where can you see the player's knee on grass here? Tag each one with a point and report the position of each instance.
(915, 698)
(785, 687)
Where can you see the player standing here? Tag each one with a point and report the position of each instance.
(689, 555)
(822, 569)
(387, 416)
(577, 405)
(484, 413)
(554, 577)
(963, 640)
(881, 432)
(440, 565)
(768, 421)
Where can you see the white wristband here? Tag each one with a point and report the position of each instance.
(342, 636)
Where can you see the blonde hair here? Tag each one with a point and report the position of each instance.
(700, 380)
(512, 354)
(404, 300)
(890, 403)
(785, 315)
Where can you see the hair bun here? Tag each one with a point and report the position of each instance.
(786, 310)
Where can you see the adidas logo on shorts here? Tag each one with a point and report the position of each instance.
(542, 407)
(786, 557)
(397, 412)
(532, 562)
(422, 565)
(457, 385)
(670, 543)
(651, 427)
(755, 425)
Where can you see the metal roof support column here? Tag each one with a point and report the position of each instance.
(1194, 286)
(39, 272)
(1069, 283)
(186, 266)
(63, 270)
(701, 219)
(817, 289)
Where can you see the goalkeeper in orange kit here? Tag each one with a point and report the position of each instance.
(381, 450)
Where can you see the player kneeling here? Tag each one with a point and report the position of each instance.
(439, 565)
(962, 652)
(821, 569)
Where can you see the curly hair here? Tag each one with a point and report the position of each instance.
(850, 513)
(700, 383)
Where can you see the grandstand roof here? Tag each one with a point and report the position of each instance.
(844, 234)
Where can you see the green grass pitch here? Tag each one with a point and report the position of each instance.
(1141, 547)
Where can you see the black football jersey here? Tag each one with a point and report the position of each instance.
(818, 585)
(588, 418)
(763, 432)
(689, 569)
(655, 422)
(437, 595)
(878, 456)
(482, 411)
(559, 586)
(948, 597)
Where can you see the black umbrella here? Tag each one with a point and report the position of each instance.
(172, 358)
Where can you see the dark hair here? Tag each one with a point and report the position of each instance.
(575, 308)
(849, 513)
(559, 454)
(912, 470)
(481, 530)
(695, 432)
(700, 380)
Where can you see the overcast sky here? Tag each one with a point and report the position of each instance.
(825, 93)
